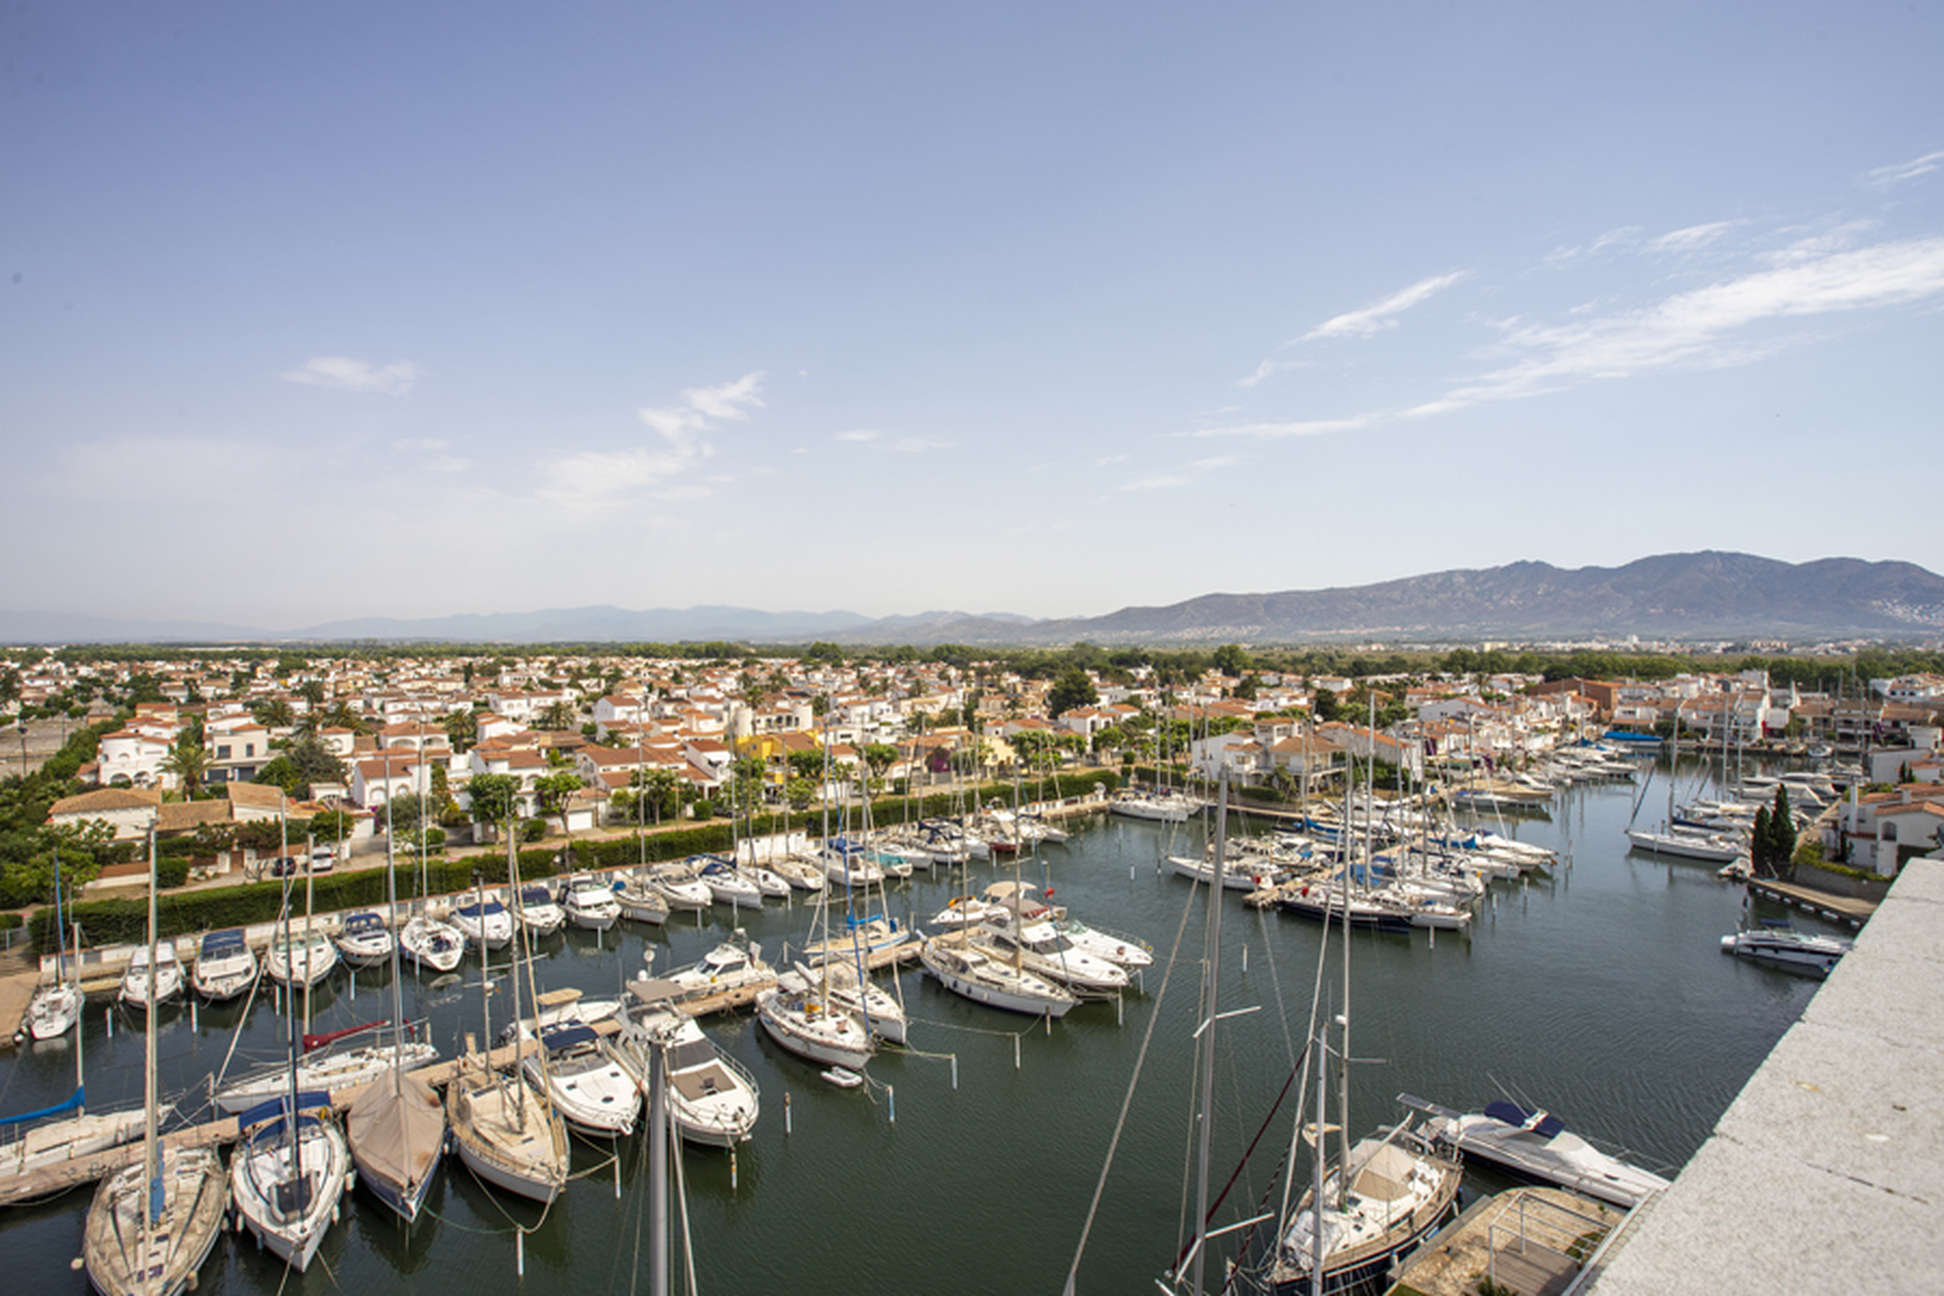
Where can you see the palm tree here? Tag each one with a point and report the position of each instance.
(272, 713)
(558, 716)
(189, 762)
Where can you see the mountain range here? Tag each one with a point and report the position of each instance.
(1708, 594)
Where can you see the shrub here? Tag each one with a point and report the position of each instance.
(533, 830)
(171, 871)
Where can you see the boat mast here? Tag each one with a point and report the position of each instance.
(80, 1022)
(151, 1150)
(290, 1002)
(1345, 840)
(1214, 956)
(398, 1002)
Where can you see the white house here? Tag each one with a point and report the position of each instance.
(377, 779)
(131, 812)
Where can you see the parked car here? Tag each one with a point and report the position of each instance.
(323, 860)
(280, 867)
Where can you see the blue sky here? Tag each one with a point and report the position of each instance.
(387, 310)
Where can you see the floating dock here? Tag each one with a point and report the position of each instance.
(1529, 1241)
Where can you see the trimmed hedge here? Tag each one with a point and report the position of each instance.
(9, 921)
(111, 922)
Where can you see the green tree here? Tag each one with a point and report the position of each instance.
(283, 773)
(879, 757)
(558, 716)
(1072, 688)
(1761, 845)
(312, 691)
(314, 761)
(493, 797)
(824, 651)
(273, 713)
(807, 764)
(462, 728)
(1324, 705)
(799, 792)
(1231, 659)
(1782, 833)
(189, 762)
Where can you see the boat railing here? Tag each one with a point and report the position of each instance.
(1574, 1226)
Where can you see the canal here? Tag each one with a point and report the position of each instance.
(1599, 993)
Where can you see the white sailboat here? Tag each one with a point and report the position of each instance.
(430, 943)
(292, 1165)
(56, 1006)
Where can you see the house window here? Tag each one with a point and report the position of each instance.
(249, 749)
(223, 752)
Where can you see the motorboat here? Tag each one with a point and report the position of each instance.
(875, 939)
(364, 941)
(680, 883)
(1038, 948)
(1776, 941)
(301, 958)
(485, 922)
(168, 976)
(735, 964)
(1532, 1142)
(225, 965)
(287, 1176)
(712, 1098)
(430, 943)
(1101, 943)
(964, 968)
(540, 913)
(589, 902)
(641, 898)
(1238, 875)
(727, 885)
(588, 1087)
(800, 874)
(53, 1009)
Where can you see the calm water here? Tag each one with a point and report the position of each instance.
(1600, 994)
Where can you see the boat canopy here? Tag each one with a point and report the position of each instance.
(217, 944)
(535, 895)
(363, 921)
(562, 1038)
(1539, 1122)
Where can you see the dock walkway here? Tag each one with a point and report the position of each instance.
(1833, 907)
(1529, 1241)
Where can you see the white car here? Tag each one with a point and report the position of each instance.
(323, 860)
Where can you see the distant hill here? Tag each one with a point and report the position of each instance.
(1691, 595)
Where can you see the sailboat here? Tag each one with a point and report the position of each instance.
(396, 1124)
(808, 1021)
(506, 1133)
(56, 1006)
(1383, 1196)
(290, 1170)
(153, 1223)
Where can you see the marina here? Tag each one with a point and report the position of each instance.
(1599, 986)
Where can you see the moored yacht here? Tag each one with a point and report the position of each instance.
(965, 969)
(712, 1098)
(168, 976)
(1776, 941)
(364, 941)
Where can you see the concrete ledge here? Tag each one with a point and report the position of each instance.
(1827, 1172)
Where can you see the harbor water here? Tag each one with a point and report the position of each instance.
(1599, 993)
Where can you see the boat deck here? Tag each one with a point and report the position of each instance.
(47, 1181)
(1531, 1241)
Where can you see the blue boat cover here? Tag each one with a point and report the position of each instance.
(565, 1037)
(1513, 1114)
(363, 921)
(227, 941)
(73, 1101)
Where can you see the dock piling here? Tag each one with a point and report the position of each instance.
(786, 1113)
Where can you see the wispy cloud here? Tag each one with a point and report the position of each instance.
(345, 373)
(1691, 238)
(1182, 475)
(432, 453)
(1288, 428)
(1107, 461)
(1704, 327)
(1365, 321)
(892, 445)
(1896, 173)
(597, 481)
(1368, 321)
(1826, 240)
(1622, 236)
